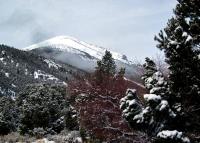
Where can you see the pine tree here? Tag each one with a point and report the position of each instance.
(150, 68)
(155, 116)
(121, 72)
(105, 67)
(154, 80)
(108, 64)
(180, 42)
(130, 106)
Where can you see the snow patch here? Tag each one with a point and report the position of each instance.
(26, 72)
(140, 117)
(45, 140)
(13, 85)
(52, 64)
(189, 38)
(2, 91)
(1, 59)
(187, 20)
(163, 105)
(3, 52)
(152, 97)
(40, 75)
(174, 135)
(173, 42)
(7, 74)
(130, 90)
(184, 34)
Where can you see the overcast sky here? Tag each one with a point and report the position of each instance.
(125, 26)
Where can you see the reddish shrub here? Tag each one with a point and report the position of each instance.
(99, 111)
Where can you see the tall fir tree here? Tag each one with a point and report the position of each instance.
(180, 42)
(105, 67)
(108, 64)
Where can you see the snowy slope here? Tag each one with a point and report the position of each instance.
(70, 44)
(79, 54)
(20, 68)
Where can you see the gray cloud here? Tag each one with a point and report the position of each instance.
(39, 34)
(124, 26)
(18, 19)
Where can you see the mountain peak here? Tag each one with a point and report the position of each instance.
(71, 44)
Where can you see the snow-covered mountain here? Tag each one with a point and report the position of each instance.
(70, 44)
(78, 53)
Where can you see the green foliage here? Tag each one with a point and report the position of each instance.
(150, 68)
(108, 64)
(71, 119)
(8, 115)
(83, 134)
(121, 72)
(155, 114)
(154, 80)
(105, 67)
(42, 106)
(131, 106)
(180, 42)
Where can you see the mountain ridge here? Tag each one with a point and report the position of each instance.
(79, 54)
(66, 42)
(19, 68)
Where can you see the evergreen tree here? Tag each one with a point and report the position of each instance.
(105, 67)
(43, 108)
(154, 80)
(8, 115)
(150, 68)
(130, 106)
(155, 116)
(107, 64)
(99, 73)
(121, 72)
(180, 42)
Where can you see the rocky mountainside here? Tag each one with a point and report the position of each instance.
(78, 53)
(19, 68)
